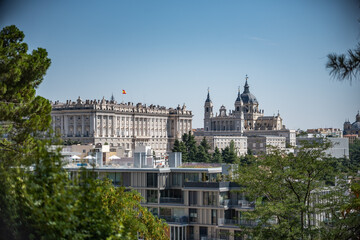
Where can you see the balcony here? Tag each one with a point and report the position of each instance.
(243, 204)
(236, 222)
(172, 219)
(171, 200)
(210, 185)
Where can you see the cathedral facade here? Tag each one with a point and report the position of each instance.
(245, 116)
(352, 128)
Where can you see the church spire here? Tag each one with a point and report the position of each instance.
(238, 99)
(246, 87)
(208, 96)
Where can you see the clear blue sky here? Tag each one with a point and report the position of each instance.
(170, 52)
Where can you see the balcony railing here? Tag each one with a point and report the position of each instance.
(241, 222)
(172, 219)
(171, 200)
(210, 185)
(244, 204)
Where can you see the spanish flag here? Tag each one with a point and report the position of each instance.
(123, 92)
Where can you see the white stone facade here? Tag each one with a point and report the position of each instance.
(240, 143)
(265, 144)
(121, 125)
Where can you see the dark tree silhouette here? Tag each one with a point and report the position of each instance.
(345, 67)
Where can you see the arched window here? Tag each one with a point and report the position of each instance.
(207, 109)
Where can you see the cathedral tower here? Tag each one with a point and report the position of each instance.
(208, 113)
(250, 107)
(239, 114)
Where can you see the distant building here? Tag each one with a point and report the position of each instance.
(246, 119)
(339, 148)
(289, 134)
(352, 138)
(326, 132)
(120, 125)
(245, 116)
(265, 144)
(221, 142)
(352, 128)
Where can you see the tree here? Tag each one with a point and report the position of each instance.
(216, 157)
(202, 155)
(290, 191)
(225, 154)
(229, 153)
(345, 66)
(176, 147)
(247, 159)
(354, 154)
(205, 144)
(345, 223)
(37, 199)
(23, 115)
(179, 146)
(191, 147)
(188, 147)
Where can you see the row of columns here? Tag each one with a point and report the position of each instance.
(131, 126)
(65, 125)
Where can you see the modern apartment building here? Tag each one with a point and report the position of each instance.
(196, 203)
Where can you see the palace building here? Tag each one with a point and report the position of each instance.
(123, 125)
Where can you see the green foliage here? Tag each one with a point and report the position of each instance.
(217, 157)
(70, 142)
(229, 153)
(291, 188)
(191, 147)
(193, 153)
(37, 199)
(187, 146)
(354, 154)
(202, 155)
(20, 74)
(205, 145)
(179, 146)
(248, 159)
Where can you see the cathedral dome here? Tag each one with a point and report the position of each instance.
(355, 126)
(246, 96)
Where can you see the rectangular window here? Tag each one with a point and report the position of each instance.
(192, 198)
(165, 213)
(115, 178)
(191, 177)
(210, 198)
(214, 216)
(152, 196)
(191, 232)
(203, 232)
(152, 180)
(193, 215)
